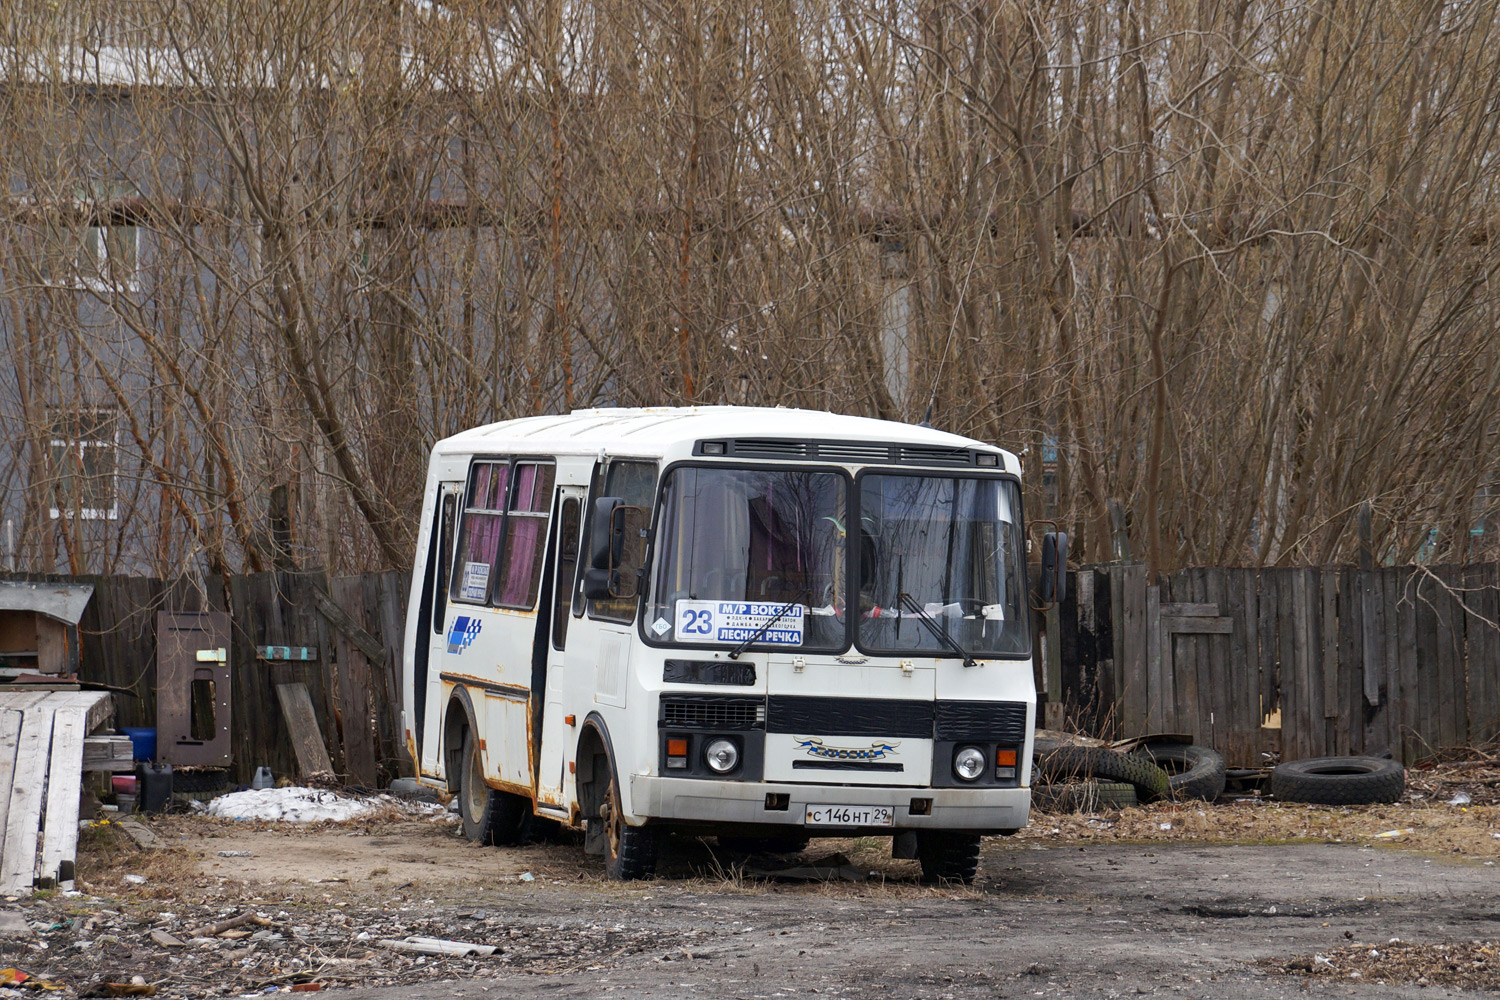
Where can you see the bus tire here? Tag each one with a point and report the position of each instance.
(947, 856)
(629, 851)
(490, 817)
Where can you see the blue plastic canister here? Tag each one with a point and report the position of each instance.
(142, 741)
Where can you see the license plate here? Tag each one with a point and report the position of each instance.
(850, 815)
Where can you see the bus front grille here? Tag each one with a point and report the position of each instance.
(714, 713)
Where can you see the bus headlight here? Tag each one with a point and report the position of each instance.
(721, 756)
(969, 763)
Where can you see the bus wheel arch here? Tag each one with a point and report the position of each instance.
(593, 765)
(458, 719)
(629, 851)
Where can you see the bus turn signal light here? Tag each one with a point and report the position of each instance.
(1005, 758)
(677, 753)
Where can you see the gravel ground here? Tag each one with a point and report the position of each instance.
(1174, 900)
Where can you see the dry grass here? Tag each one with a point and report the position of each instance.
(1471, 965)
(1451, 807)
(1458, 831)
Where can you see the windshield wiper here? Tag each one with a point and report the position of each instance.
(938, 629)
(734, 654)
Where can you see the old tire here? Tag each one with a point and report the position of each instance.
(1070, 763)
(490, 817)
(1084, 796)
(766, 845)
(1193, 772)
(629, 851)
(1339, 781)
(947, 855)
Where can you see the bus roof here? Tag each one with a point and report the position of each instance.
(650, 431)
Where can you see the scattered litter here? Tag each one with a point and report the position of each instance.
(135, 879)
(224, 927)
(13, 925)
(527, 877)
(1166, 826)
(236, 854)
(1392, 834)
(164, 939)
(130, 989)
(1460, 799)
(437, 946)
(306, 987)
(15, 977)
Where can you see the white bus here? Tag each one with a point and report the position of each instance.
(764, 624)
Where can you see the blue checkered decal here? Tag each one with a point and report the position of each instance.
(461, 635)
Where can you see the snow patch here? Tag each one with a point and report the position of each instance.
(291, 805)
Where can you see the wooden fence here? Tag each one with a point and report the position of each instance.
(352, 625)
(1303, 662)
(1300, 662)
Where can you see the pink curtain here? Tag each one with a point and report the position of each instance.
(524, 546)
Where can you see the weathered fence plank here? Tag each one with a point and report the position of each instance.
(1131, 657)
(1237, 735)
(1483, 633)
(355, 688)
(1452, 622)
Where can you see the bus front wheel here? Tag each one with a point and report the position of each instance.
(490, 817)
(629, 851)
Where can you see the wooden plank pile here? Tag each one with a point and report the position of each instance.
(42, 735)
(108, 753)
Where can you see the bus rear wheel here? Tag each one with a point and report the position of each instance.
(490, 817)
(629, 851)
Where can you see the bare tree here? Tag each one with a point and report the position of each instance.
(1229, 265)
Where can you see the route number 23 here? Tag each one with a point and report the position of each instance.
(698, 622)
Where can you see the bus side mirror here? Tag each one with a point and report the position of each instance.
(604, 546)
(615, 550)
(1054, 567)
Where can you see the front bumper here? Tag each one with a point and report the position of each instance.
(981, 810)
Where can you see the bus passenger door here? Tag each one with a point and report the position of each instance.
(428, 689)
(556, 733)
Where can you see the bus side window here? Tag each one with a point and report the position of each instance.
(567, 570)
(518, 573)
(444, 561)
(479, 533)
(635, 483)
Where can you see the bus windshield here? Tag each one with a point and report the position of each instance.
(782, 558)
(946, 549)
(750, 553)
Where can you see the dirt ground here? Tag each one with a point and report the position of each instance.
(1174, 900)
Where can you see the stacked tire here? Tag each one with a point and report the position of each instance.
(1193, 772)
(1073, 764)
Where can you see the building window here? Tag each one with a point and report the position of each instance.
(83, 454)
(94, 258)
